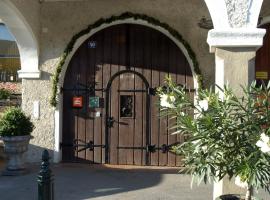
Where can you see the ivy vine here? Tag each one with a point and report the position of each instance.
(126, 15)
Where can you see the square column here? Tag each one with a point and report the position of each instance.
(235, 67)
(235, 51)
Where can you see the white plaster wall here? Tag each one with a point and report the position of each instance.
(59, 21)
(30, 9)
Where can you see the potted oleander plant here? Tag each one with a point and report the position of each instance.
(226, 135)
(15, 131)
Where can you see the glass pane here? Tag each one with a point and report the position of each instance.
(126, 105)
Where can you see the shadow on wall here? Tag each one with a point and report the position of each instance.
(34, 153)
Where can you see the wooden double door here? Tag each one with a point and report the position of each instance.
(120, 67)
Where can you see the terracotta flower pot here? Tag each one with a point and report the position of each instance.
(14, 147)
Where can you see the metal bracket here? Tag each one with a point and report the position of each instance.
(110, 122)
(152, 91)
(85, 145)
(151, 148)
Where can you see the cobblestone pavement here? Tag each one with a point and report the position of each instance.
(79, 181)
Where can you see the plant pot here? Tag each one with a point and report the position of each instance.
(230, 197)
(14, 147)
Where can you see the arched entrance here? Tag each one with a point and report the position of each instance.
(262, 61)
(25, 38)
(113, 75)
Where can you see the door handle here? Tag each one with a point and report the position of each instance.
(111, 121)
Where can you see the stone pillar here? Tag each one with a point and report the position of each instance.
(235, 66)
(234, 41)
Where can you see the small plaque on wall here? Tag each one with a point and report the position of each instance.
(77, 102)
(261, 75)
(96, 102)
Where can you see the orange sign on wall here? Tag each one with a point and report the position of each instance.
(77, 102)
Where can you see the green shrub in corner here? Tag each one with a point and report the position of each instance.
(15, 123)
(4, 94)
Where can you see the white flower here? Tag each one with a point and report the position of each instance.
(240, 183)
(263, 143)
(203, 104)
(204, 148)
(167, 101)
(195, 142)
(182, 114)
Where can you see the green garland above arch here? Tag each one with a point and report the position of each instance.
(126, 15)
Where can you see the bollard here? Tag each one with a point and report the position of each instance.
(45, 181)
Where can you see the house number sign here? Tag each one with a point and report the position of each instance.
(92, 44)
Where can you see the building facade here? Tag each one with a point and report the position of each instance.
(90, 67)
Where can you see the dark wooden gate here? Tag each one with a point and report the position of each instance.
(122, 64)
(262, 61)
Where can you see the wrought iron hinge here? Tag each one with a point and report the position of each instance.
(86, 145)
(152, 91)
(65, 145)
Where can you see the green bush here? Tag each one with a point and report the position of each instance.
(15, 123)
(227, 134)
(4, 94)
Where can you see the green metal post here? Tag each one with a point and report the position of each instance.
(45, 180)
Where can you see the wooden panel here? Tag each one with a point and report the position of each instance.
(98, 128)
(114, 104)
(136, 58)
(81, 114)
(171, 122)
(180, 79)
(129, 82)
(106, 73)
(147, 73)
(163, 72)
(155, 82)
(126, 124)
(68, 117)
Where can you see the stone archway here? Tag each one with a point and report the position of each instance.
(25, 38)
(191, 60)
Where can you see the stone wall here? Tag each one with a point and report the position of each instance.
(59, 21)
